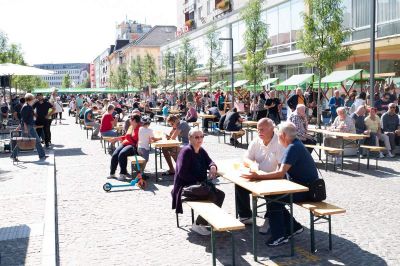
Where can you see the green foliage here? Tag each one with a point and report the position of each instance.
(27, 83)
(186, 61)
(256, 42)
(137, 72)
(167, 63)
(150, 70)
(214, 46)
(85, 84)
(66, 83)
(122, 77)
(324, 34)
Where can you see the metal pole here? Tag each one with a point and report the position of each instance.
(232, 77)
(174, 81)
(372, 55)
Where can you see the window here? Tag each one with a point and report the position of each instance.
(284, 24)
(199, 12)
(208, 7)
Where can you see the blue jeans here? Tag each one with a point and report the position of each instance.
(31, 133)
(120, 156)
(109, 133)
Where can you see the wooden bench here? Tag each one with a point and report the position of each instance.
(371, 149)
(105, 140)
(232, 133)
(251, 131)
(195, 124)
(219, 220)
(329, 151)
(320, 211)
(132, 162)
(87, 128)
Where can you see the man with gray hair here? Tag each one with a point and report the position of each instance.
(335, 102)
(391, 126)
(299, 119)
(298, 164)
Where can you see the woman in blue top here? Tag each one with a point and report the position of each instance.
(27, 127)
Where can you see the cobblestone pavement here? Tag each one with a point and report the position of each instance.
(137, 227)
(22, 207)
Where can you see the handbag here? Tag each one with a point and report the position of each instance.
(317, 190)
(200, 191)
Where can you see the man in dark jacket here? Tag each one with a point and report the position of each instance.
(43, 118)
(297, 98)
(211, 111)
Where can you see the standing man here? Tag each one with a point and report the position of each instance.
(44, 110)
(335, 102)
(79, 105)
(297, 98)
(264, 153)
(300, 167)
(273, 105)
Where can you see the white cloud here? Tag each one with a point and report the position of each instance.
(55, 31)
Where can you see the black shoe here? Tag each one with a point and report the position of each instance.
(44, 157)
(296, 231)
(232, 141)
(274, 242)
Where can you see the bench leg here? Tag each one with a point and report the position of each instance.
(376, 162)
(330, 232)
(367, 158)
(213, 246)
(312, 233)
(254, 201)
(87, 133)
(326, 162)
(192, 216)
(233, 249)
(177, 220)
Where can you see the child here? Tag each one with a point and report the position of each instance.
(145, 137)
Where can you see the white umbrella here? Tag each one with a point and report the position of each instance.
(9, 69)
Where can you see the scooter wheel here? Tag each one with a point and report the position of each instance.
(142, 184)
(107, 187)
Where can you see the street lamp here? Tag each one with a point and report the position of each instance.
(231, 59)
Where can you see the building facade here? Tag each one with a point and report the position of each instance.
(284, 20)
(101, 65)
(78, 72)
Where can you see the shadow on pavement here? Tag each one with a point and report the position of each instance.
(14, 242)
(69, 152)
(344, 251)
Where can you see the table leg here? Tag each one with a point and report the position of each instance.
(213, 246)
(291, 226)
(233, 249)
(342, 152)
(160, 159)
(367, 159)
(155, 156)
(254, 216)
(359, 154)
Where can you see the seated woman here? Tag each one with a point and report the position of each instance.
(191, 115)
(191, 168)
(108, 122)
(127, 148)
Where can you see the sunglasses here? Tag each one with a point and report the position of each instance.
(198, 137)
(393, 107)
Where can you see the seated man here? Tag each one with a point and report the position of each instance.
(211, 111)
(264, 153)
(299, 119)
(391, 126)
(180, 130)
(146, 136)
(300, 167)
(108, 122)
(373, 124)
(191, 115)
(342, 123)
(233, 123)
(90, 121)
(83, 110)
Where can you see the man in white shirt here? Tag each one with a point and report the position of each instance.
(264, 153)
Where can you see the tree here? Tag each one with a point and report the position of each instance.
(256, 42)
(167, 64)
(85, 83)
(214, 48)
(322, 38)
(150, 70)
(186, 61)
(137, 72)
(66, 83)
(122, 77)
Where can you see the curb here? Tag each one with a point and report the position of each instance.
(49, 248)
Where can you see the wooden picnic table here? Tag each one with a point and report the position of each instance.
(155, 109)
(176, 112)
(267, 189)
(347, 138)
(164, 143)
(249, 127)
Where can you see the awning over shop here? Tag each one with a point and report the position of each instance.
(200, 86)
(219, 84)
(343, 75)
(296, 81)
(240, 83)
(269, 81)
(257, 87)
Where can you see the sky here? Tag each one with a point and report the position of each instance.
(75, 31)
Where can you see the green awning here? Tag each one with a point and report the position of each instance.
(269, 81)
(343, 75)
(240, 83)
(200, 86)
(219, 84)
(296, 81)
(257, 87)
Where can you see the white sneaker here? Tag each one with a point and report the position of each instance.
(390, 155)
(381, 155)
(200, 229)
(111, 176)
(246, 220)
(121, 177)
(264, 229)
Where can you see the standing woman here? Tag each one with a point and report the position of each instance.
(59, 110)
(261, 110)
(127, 148)
(27, 127)
(191, 168)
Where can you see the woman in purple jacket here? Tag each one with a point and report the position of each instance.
(191, 168)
